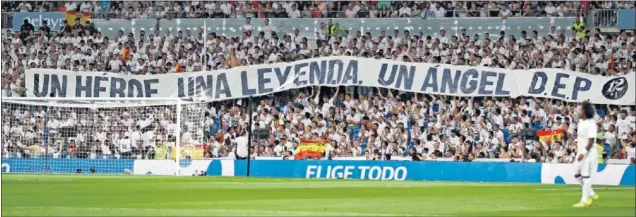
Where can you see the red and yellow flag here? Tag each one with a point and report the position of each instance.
(195, 152)
(125, 53)
(549, 136)
(71, 17)
(178, 68)
(310, 149)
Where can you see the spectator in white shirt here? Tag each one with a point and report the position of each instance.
(351, 12)
(294, 12)
(70, 6)
(624, 124)
(247, 28)
(439, 11)
(405, 10)
(125, 147)
(550, 10)
(268, 29)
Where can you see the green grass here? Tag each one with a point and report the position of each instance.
(75, 195)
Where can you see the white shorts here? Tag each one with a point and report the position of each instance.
(586, 169)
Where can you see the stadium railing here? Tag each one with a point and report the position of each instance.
(603, 18)
(307, 27)
(231, 26)
(7, 20)
(365, 13)
(333, 14)
(612, 19)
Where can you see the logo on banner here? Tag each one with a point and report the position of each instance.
(6, 168)
(615, 88)
(55, 20)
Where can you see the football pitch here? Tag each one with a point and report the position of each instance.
(83, 195)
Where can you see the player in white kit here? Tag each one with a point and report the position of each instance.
(586, 160)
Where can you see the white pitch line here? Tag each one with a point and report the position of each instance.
(52, 179)
(578, 189)
(44, 179)
(229, 212)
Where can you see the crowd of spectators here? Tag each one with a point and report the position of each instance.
(358, 121)
(317, 9)
(82, 48)
(382, 125)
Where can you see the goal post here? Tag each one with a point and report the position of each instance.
(101, 136)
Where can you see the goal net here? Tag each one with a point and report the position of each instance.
(149, 136)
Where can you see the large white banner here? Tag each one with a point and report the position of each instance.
(335, 71)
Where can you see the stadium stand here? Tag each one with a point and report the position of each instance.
(359, 121)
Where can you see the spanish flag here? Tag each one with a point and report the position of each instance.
(125, 53)
(194, 152)
(72, 16)
(178, 68)
(549, 136)
(310, 149)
